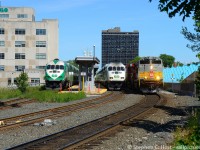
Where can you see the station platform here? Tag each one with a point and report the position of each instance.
(75, 89)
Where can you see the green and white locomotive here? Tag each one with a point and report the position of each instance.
(59, 73)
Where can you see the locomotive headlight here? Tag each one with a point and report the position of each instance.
(158, 78)
(145, 77)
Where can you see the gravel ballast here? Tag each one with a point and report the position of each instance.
(24, 134)
(154, 132)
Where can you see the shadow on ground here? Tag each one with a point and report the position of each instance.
(154, 127)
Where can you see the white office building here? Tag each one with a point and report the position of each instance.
(25, 44)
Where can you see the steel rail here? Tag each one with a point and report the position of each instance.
(68, 138)
(57, 112)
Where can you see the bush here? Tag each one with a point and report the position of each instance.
(189, 137)
(22, 82)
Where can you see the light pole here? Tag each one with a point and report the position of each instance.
(172, 82)
(94, 50)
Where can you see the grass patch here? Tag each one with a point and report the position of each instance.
(42, 95)
(9, 93)
(188, 137)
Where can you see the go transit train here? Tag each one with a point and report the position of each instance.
(112, 75)
(59, 73)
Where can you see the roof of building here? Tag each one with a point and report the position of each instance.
(175, 74)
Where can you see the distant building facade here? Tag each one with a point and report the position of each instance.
(119, 46)
(25, 44)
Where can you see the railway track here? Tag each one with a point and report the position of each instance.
(76, 136)
(39, 116)
(15, 102)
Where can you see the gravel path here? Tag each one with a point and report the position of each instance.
(17, 136)
(156, 131)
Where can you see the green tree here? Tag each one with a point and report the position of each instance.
(168, 60)
(197, 81)
(22, 82)
(72, 62)
(179, 63)
(194, 38)
(185, 8)
(135, 60)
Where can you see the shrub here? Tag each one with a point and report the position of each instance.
(22, 82)
(189, 137)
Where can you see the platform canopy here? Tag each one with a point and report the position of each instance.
(87, 60)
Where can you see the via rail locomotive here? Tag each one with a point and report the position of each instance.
(146, 75)
(112, 76)
(59, 73)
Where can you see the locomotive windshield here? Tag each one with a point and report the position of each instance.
(145, 61)
(61, 67)
(109, 68)
(114, 68)
(156, 61)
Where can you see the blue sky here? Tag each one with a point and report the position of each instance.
(81, 23)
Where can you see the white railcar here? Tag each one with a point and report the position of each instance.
(112, 76)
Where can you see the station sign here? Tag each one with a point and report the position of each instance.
(2, 10)
(83, 73)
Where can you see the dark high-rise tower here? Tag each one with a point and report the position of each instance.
(119, 46)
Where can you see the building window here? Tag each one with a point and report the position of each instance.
(2, 43)
(19, 68)
(40, 67)
(20, 31)
(22, 16)
(20, 43)
(4, 15)
(2, 68)
(1, 55)
(40, 55)
(35, 81)
(40, 43)
(10, 81)
(19, 55)
(40, 31)
(1, 30)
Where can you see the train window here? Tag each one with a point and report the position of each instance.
(109, 68)
(145, 61)
(118, 68)
(155, 61)
(114, 68)
(122, 69)
(52, 66)
(48, 67)
(57, 66)
(61, 67)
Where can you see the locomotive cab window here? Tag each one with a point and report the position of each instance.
(52, 66)
(57, 67)
(122, 68)
(48, 67)
(118, 68)
(61, 67)
(155, 61)
(109, 68)
(145, 61)
(114, 68)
